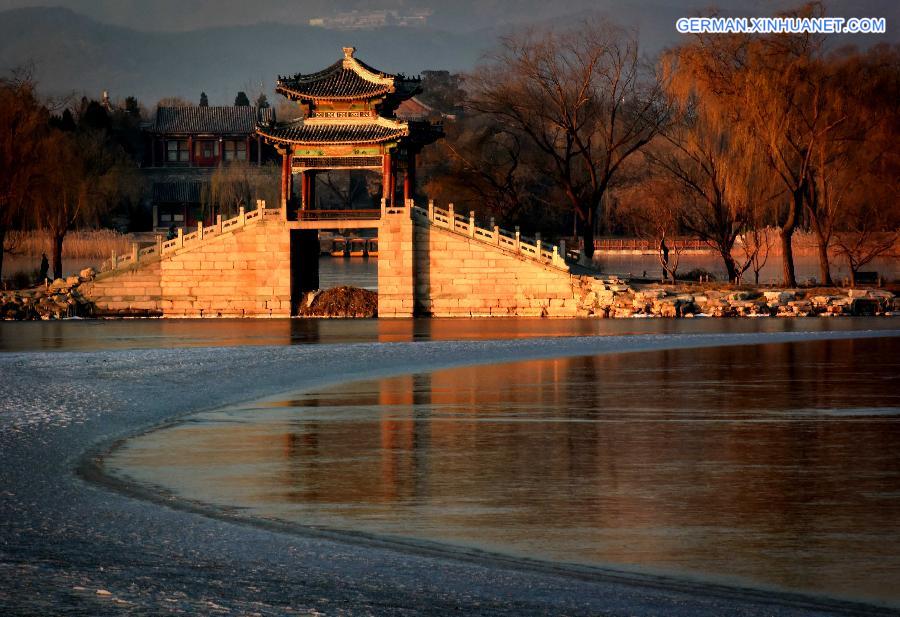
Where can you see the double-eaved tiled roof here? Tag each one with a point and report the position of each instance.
(335, 82)
(346, 79)
(210, 120)
(311, 132)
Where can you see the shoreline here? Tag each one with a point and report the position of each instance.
(153, 555)
(93, 469)
(593, 297)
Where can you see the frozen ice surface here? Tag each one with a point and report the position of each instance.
(71, 546)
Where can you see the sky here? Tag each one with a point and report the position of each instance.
(157, 48)
(181, 15)
(453, 15)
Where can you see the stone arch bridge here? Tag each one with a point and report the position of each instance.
(431, 261)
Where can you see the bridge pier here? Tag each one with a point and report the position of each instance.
(396, 259)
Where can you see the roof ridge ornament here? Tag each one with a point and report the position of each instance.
(348, 57)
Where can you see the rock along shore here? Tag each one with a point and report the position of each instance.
(597, 298)
(615, 299)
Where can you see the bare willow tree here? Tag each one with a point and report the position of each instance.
(484, 165)
(238, 184)
(776, 95)
(23, 127)
(89, 177)
(868, 221)
(700, 159)
(854, 161)
(583, 97)
(653, 210)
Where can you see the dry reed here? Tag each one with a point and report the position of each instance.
(83, 244)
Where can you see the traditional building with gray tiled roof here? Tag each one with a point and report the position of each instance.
(187, 144)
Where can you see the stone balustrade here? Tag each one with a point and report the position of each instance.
(191, 240)
(510, 241)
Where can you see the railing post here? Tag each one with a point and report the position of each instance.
(180, 237)
(471, 223)
(497, 235)
(452, 215)
(113, 262)
(199, 230)
(430, 209)
(383, 206)
(218, 224)
(134, 252)
(518, 239)
(159, 243)
(242, 214)
(537, 242)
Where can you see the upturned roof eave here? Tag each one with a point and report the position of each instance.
(304, 96)
(297, 142)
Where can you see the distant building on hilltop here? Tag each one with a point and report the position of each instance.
(369, 20)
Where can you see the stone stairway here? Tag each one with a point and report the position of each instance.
(508, 241)
(189, 242)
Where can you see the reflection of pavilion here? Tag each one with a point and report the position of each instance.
(349, 123)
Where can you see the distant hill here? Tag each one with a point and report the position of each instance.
(74, 53)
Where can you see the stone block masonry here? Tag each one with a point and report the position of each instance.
(430, 262)
(244, 272)
(460, 276)
(396, 269)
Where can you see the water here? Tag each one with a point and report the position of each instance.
(806, 266)
(353, 271)
(771, 465)
(88, 335)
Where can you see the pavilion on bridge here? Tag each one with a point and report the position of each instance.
(349, 123)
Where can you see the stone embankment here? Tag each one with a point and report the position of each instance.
(588, 297)
(58, 300)
(615, 299)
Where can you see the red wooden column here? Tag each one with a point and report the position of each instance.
(304, 190)
(387, 182)
(409, 178)
(285, 179)
(290, 177)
